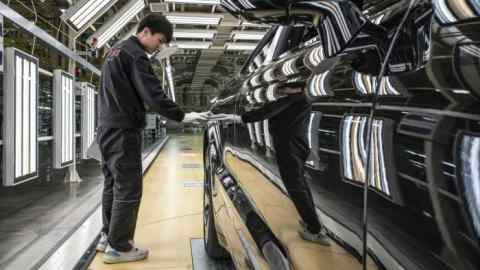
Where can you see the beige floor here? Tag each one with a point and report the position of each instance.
(170, 214)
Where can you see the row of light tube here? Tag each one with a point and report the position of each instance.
(118, 23)
(87, 11)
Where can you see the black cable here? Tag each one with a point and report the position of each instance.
(370, 126)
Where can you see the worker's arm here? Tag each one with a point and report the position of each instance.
(150, 89)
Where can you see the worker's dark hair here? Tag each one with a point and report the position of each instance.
(157, 23)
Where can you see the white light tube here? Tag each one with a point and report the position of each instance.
(247, 35)
(203, 34)
(199, 2)
(193, 45)
(88, 117)
(230, 46)
(109, 29)
(194, 20)
(84, 11)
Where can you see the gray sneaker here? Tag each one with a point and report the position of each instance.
(103, 242)
(113, 256)
(320, 238)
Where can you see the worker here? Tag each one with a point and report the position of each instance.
(129, 87)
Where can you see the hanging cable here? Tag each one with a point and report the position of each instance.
(48, 23)
(370, 126)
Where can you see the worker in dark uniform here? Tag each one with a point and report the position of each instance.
(129, 87)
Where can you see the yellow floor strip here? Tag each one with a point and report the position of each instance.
(170, 214)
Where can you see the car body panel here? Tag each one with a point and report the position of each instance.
(407, 156)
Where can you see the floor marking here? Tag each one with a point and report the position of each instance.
(193, 184)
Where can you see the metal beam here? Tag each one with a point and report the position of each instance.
(33, 29)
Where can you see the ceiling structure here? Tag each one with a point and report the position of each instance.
(207, 58)
(213, 45)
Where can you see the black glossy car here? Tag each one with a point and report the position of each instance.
(383, 97)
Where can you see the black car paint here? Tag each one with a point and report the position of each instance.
(427, 221)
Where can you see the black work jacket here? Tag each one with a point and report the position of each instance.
(129, 88)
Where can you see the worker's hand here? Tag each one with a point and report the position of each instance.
(195, 118)
(225, 118)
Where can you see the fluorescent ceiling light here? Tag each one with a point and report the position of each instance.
(108, 30)
(193, 45)
(230, 46)
(200, 2)
(184, 33)
(247, 35)
(195, 20)
(245, 23)
(84, 11)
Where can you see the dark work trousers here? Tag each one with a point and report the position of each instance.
(289, 130)
(122, 167)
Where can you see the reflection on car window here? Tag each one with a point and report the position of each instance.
(451, 11)
(467, 64)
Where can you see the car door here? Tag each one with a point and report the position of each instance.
(422, 194)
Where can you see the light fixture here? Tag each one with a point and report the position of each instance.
(191, 33)
(355, 152)
(193, 44)
(63, 119)
(88, 116)
(82, 12)
(195, 19)
(231, 46)
(171, 85)
(247, 35)
(249, 24)
(117, 22)
(199, 2)
(20, 137)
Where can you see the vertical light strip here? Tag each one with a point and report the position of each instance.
(88, 117)
(266, 132)
(18, 115)
(258, 132)
(20, 112)
(25, 118)
(64, 119)
(33, 117)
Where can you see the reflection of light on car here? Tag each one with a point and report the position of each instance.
(255, 81)
(354, 152)
(366, 85)
(258, 95)
(339, 17)
(454, 11)
(317, 85)
(469, 158)
(316, 56)
(289, 67)
(272, 92)
(269, 75)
